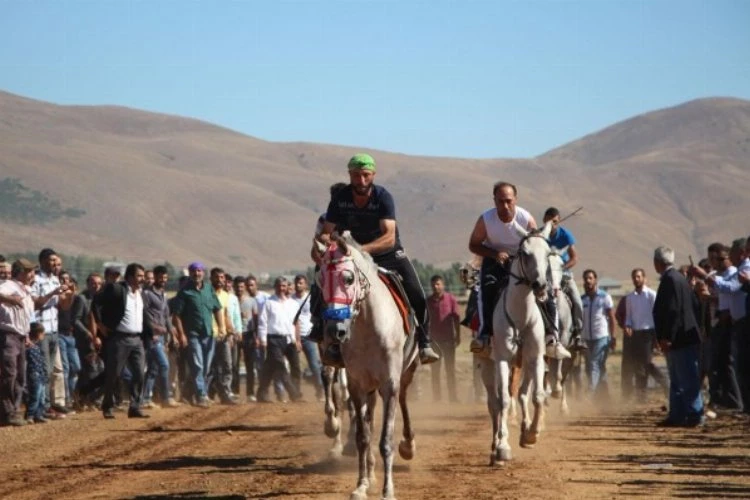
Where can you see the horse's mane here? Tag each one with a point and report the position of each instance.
(351, 243)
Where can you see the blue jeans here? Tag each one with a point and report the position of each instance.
(35, 403)
(685, 400)
(71, 365)
(596, 361)
(201, 350)
(310, 348)
(158, 367)
(49, 349)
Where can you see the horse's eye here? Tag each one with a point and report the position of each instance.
(348, 278)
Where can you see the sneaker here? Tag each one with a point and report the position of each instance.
(16, 421)
(30, 421)
(63, 410)
(557, 351)
(149, 405)
(203, 403)
(39, 420)
(108, 413)
(427, 355)
(251, 398)
(136, 413)
(53, 415)
(170, 403)
(480, 346)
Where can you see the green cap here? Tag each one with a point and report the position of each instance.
(362, 161)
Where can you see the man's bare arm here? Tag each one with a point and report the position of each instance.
(384, 242)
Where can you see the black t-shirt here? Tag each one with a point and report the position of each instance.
(364, 223)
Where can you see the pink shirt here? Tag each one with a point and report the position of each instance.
(443, 315)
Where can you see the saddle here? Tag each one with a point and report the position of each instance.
(393, 282)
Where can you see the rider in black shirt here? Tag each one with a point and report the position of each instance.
(369, 213)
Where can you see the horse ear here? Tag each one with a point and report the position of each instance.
(522, 232)
(341, 242)
(320, 247)
(546, 230)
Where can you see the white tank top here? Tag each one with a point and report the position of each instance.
(502, 235)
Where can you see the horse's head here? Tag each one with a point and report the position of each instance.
(342, 283)
(533, 258)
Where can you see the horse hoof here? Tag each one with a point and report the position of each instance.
(504, 454)
(406, 449)
(556, 394)
(358, 495)
(332, 427)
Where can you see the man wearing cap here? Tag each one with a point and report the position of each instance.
(369, 213)
(193, 311)
(16, 311)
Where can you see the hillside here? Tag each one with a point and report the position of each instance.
(155, 187)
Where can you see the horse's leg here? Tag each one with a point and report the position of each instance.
(372, 399)
(514, 385)
(556, 368)
(363, 443)
(490, 381)
(503, 369)
(389, 392)
(407, 446)
(565, 367)
(332, 424)
(523, 399)
(350, 448)
(537, 372)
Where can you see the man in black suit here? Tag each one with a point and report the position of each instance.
(120, 310)
(677, 333)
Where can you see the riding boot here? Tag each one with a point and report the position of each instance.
(491, 277)
(427, 354)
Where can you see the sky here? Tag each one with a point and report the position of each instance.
(478, 79)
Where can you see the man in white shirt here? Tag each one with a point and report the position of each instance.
(16, 311)
(495, 238)
(639, 337)
(278, 335)
(598, 329)
(303, 321)
(121, 314)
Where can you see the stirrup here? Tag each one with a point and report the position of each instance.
(480, 346)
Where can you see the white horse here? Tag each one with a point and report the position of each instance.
(373, 353)
(516, 322)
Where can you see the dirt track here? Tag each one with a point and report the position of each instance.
(279, 451)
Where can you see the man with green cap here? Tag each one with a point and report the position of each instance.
(369, 213)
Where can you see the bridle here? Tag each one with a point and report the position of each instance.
(522, 278)
(358, 279)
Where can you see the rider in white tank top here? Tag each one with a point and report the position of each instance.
(502, 235)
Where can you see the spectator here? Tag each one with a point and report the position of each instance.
(36, 376)
(46, 291)
(250, 343)
(67, 339)
(445, 331)
(303, 321)
(220, 378)
(277, 335)
(122, 314)
(234, 316)
(677, 333)
(195, 309)
(157, 331)
(598, 330)
(639, 338)
(16, 310)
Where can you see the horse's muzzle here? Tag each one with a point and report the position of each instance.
(338, 330)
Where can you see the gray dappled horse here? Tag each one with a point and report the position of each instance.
(516, 322)
(373, 352)
(559, 370)
(336, 402)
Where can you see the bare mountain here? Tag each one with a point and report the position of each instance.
(156, 187)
